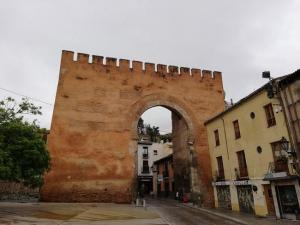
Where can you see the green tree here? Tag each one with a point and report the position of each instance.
(153, 132)
(23, 154)
(166, 137)
(140, 126)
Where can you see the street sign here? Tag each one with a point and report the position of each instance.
(221, 183)
(242, 182)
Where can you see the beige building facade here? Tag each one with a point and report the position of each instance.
(252, 171)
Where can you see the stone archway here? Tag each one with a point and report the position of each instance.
(185, 153)
(167, 101)
(94, 120)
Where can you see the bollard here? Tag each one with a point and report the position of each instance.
(144, 203)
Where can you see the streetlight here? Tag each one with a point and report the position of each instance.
(270, 86)
(266, 74)
(284, 144)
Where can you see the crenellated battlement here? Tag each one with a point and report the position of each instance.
(99, 101)
(138, 66)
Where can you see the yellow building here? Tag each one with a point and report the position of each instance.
(253, 171)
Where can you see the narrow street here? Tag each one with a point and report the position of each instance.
(174, 214)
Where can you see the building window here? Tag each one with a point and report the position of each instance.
(217, 139)
(236, 128)
(221, 174)
(145, 168)
(252, 115)
(145, 152)
(154, 152)
(270, 115)
(242, 164)
(280, 160)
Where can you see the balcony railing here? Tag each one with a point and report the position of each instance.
(281, 166)
(278, 166)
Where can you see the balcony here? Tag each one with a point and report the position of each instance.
(278, 170)
(278, 166)
(281, 166)
(145, 156)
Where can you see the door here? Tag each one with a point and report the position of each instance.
(167, 188)
(224, 199)
(158, 189)
(245, 197)
(288, 201)
(269, 199)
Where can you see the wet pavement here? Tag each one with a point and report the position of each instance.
(157, 212)
(185, 214)
(175, 214)
(77, 213)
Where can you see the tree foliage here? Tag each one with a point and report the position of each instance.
(147, 129)
(23, 154)
(140, 127)
(153, 132)
(166, 137)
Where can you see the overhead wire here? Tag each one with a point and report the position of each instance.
(25, 96)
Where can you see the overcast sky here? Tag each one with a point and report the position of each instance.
(239, 38)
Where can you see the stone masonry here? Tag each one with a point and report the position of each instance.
(93, 138)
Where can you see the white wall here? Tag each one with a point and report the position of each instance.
(163, 150)
(140, 159)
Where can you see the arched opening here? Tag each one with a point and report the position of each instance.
(164, 152)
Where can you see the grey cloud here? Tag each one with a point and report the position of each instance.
(239, 38)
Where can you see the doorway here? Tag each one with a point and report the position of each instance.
(269, 199)
(224, 197)
(245, 196)
(287, 201)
